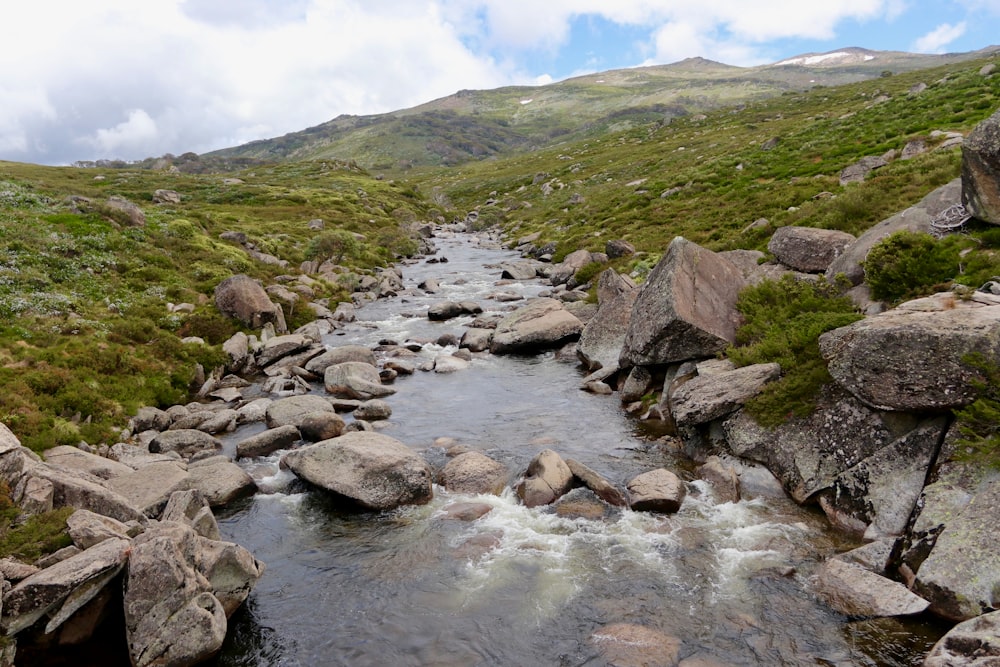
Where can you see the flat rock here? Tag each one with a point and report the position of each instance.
(857, 592)
(77, 459)
(972, 643)
(339, 355)
(186, 441)
(267, 442)
(149, 487)
(374, 470)
(631, 645)
(913, 361)
(353, 379)
(708, 397)
(88, 529)
(282, 346)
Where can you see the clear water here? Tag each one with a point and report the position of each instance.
(529, 586)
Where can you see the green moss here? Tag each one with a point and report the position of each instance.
(979, 422)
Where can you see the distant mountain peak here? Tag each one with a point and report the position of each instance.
(846, 56)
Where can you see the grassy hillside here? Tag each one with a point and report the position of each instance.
(474, 125)
(708, 179)
(86, 336)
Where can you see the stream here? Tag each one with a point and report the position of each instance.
(526, 586)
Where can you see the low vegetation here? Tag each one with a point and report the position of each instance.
(86, 334)
(37, 536)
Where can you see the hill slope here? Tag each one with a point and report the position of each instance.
(473, 125)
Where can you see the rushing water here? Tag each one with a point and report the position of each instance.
(526, 586)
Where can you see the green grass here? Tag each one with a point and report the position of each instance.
(85, 334)
(37, 536)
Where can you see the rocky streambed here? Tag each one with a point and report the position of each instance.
(460, 549)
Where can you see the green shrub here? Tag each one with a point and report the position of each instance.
(979, 422)
(908, 264)
(335, 246)
(783, 321)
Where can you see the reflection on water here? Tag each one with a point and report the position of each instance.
(526, 586)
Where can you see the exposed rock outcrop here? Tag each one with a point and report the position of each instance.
(603, 337)
(981, 170)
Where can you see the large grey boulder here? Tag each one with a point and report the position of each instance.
(561, 273)
(603, 337)
(854, 591)
(283, 346)
(293, 410)
(171, 616)
(243, 298)
(88, 529)
(686, 309)
(230, 569)
(372, 469)
(808, 249)
(72, 488)
(543, 323)
(546, 479)
(354, 379)
(972, 643)
(149, 488)
(858, 172)
(476, 340)
(981, 170)
(876, 497)
(191, 508)
(473, 472)
(185, 441)
(961, 574)
(656, 491)
(220, 480)
(267, 442)
(917, 218)
(524, 269)
(708, 397)
(60, 590)
(809, 454)
(149, 419)
(339, 355)
(911, 360)
(237, 350)
(77, 459)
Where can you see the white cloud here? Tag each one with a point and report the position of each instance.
(136, 132)
(936, 40)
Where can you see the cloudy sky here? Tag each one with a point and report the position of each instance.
(128, 79)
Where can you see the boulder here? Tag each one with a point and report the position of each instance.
(808, 249)
(808, 454)
(292, 410)
(185, 441)
(171, 615)
(638, 383)
(616, 248)
(149, 487)
(191, 508)
(546, 479)
(162, 196)
(338, 355)
(981, 170)
(71, 488)
(230, 569)
(129, 211)
(375, 471)
(706, 398)
(372, 410)
(222, 421)
(917, 218)
(543, 323)
(603, 338)
(282, 346)
(136, 457)
(876, 497)
(656, 491)
(466, 511)
(858, 171)
(601, 487)
(961, 575)
(476, 340)
(243, 298)
(912, 361)
(561, 273)
(854, 591)
(447, 363)
(474, 473)
(722, 478)
(444, 310)
(60, 590)
(353, 379)
(220, 480)
(269, 441)
(77, 459)
(87, 529)
(254, 411)
(972, 643)
(525, 269)
(149, 419)
(316, 426)
(686, 309)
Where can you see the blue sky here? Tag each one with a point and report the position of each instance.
(127, 79)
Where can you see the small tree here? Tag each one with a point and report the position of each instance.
(334, 245)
